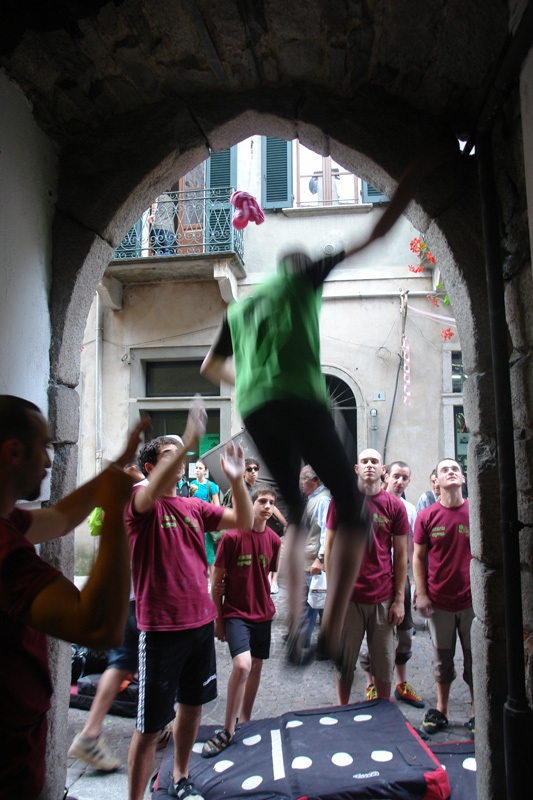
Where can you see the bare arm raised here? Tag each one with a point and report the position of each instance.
(163, 475)
(51, 523)
(96, 615)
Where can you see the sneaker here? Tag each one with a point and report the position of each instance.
(95, 752)
(434, 721)
(371, 692)
(184, 789)
(217, 743)
(406, 692)
(471, 725)
(274, 589)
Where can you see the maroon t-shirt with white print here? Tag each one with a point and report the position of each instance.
(247, 557)
(169, 564)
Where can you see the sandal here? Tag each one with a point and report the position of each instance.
(434, 721)
(217, 743)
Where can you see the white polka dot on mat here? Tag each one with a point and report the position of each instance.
(342, 759)
(301, 762)
(470, 764)
(328, 721)
(252, 783)
(294, 723)
(362, 717)
(222, 766)
(197, 747)
(381, 755)
(251, 740)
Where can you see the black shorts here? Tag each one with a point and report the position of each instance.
(242, 636)
(291, 432)
(174, 666)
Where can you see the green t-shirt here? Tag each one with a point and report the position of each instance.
(276, 343)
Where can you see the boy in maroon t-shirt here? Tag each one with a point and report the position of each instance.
(245, 610)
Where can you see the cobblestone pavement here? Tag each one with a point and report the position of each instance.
(283, 688)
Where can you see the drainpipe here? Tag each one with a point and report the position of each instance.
(517, 716)
(374, 427)
(98, 347)
(403, 312)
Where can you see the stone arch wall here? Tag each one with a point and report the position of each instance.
(120, 182)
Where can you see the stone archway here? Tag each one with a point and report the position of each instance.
(446, 206)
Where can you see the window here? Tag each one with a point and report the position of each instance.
(455, 429)
(163, 382)
(344, 413)
(177, 379)
(172, 422)
(458, 374)
(320, 181)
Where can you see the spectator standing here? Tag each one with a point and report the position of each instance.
(441, 567)
(397, 479)
(431, 496)
(245, 612)
(204, 489)
(314, 521)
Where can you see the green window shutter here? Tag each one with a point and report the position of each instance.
(222, 169)
(221, 181)
(276, 183)
(371, 195)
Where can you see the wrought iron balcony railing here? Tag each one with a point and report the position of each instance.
(195, 221)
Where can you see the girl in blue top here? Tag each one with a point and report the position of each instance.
(206, 490)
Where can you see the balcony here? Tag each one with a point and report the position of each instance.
(189, 237)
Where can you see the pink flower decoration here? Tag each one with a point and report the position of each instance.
(247, 210)
(418, 269)
(433, 300)
(447, 334)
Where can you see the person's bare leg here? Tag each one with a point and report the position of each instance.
(108, 687)
(141, 759)
(382, 688)
(344, 689)
(401, 673)
(344, 563)
(250, 690)
(242, 664)
(294, 550)
(443, 696)
(185, 731)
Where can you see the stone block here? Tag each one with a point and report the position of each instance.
(72, 294)
(64, 414)
(488, 594)
(64, 473)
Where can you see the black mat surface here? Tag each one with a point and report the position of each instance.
(363, 750)
(459, 761)
(124, 705)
